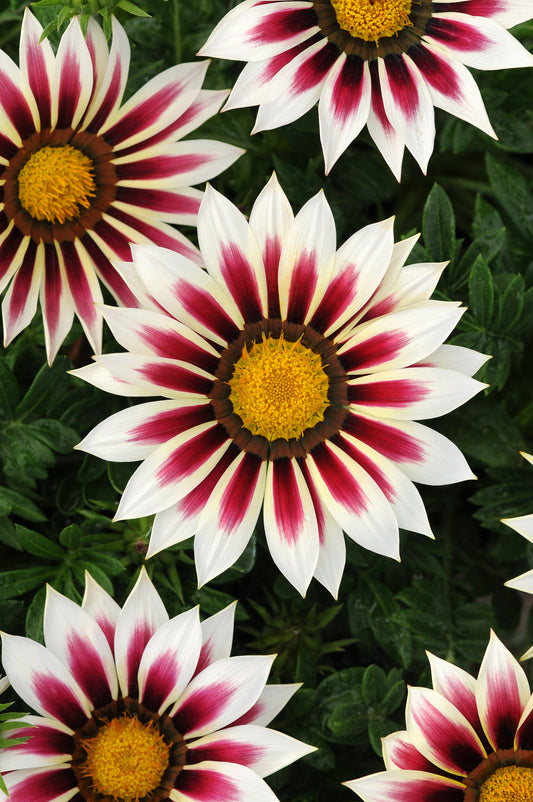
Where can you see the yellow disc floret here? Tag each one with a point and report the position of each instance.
(372, 19)
(279, 388)
(508, 784)
(55, 182)
(126, 759)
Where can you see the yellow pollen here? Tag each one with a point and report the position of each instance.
(126, 759)
(55, 182)
(372, 19)
(508, 784)
(279, 388)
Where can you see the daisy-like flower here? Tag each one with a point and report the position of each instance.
(385, 63)
(134, 706)
(82, 175)
(291, 373)
(524, 525)
(466, 740)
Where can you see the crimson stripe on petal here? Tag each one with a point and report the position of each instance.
(373, 351)
(436, 71)
(403, 85)
(87, 669)
(239, 493)
(7, 149)
(388, 440)
(394, 393)
(70, 88)
(45, 741)
(107, 103)
(271, 254)
(79, 286)
(44, 786)
(280, 25)
(240, 278)
(52, 288)
(194, 502)
(407, 757)
(208, 785)
(159, 167)
(525, 733)
(457, 35)
(317, 504)
(377, 99)
(338, 479)
(367, 464)
(313, 70)
(187, 458)
(158, 200)
(338, 296)
(288, 508)
(176, 378)
(103, 266)
(443, 738)
(160, 679)
(58, 699)
(16, 107)
(8, 249)
(154, 234)
(347, 90)
(144, 114)
(206, 309)
(303, 282)
(171, 345)
(165, 425)
(22, 281)
(140, 637)
(227, 751)
(203, 706)
(477, 8)
(38, 79)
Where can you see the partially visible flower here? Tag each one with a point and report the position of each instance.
(9, 721)
(524, 525)
(467, 740)
(291, 373)
(83, 175)
(134, 706)
(383, 63)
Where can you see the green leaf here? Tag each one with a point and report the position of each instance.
(9, 391)
(71, 537)
(481, 291)
(47, 389)
(512, 191)
(39, 545)
(34, 616)
(131, 8)
(54, 434)
(21, 580)
(484, 430)
(374, 685)
(512, 303)
(20, 505)
(438, 225)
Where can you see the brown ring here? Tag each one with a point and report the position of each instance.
(96, 149)
(496, 760)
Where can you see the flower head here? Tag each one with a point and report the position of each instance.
(83, 175)
(524, 525)
(134, 706)
(467, 739)
(291, 373)
(385, 63)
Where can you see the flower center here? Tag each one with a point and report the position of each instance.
(126, 759)
(508, 784)
(55, 182)
(372, 19)
(279, 388)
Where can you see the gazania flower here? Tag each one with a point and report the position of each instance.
(385, 63)
(134, 706)
(291, 374)
(83, 176)
(467, 739)
(524, 525)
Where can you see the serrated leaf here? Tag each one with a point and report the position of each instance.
(481, 292)
(438, 225)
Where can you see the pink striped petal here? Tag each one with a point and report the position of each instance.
(231, 254)
(270, 221)
(406, 786)
(72, 82)
(399, 753)
(18, 110)
(261, 30)
(217, 636)
(133, 433)
(99, 53)
(212, 781)
(189, 294)
(408, 105)
(478, 42)
(49, 743)
(169, 660)
(413, 284)
(456, 357)
(441, 733)
(272, 700)
(142, 615)
(99, 376)
(354, 499)
(387, 139)
(99, 256)
(75, 637)
(524, 732)
(262, 750)
(20, 301)
(84, 289)
(167, 377)
(291, 527)
(178, 206)
(13, 246)
(56, 303)
(307, 259)
(458, 687)
(45, 684)
(173, 470)
(42, 785)
(507, 12)
(112, 83)
(343, 106)
(220, 694)
(37, 65)
(502, 693)
(102, 608)
(229, 516)
(450, 84)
